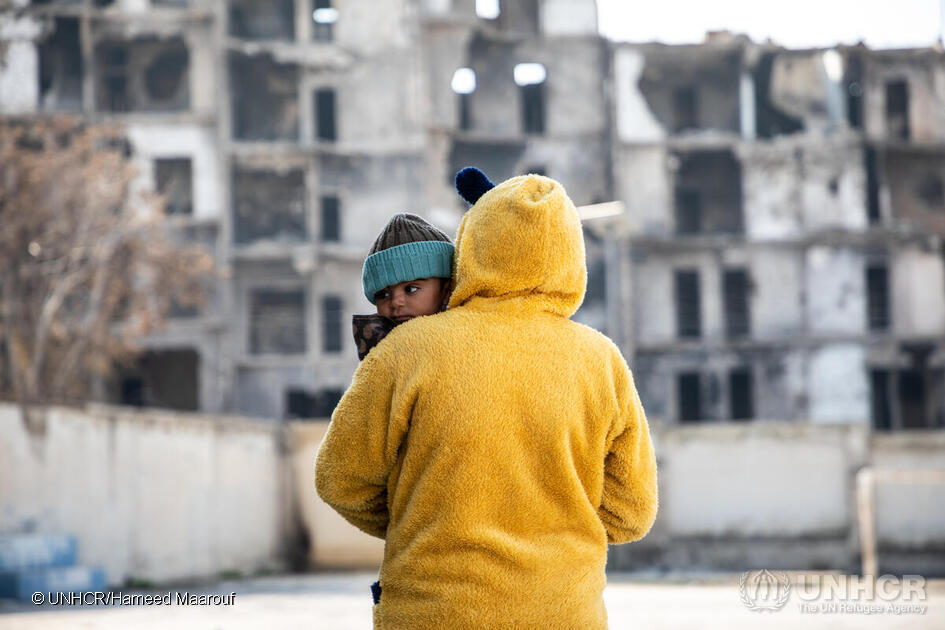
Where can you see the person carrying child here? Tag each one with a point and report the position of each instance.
(497, 447)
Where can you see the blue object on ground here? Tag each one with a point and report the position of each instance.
(44, 563)
(22, 584)
(28, 551)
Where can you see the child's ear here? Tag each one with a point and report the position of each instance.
(447, 290)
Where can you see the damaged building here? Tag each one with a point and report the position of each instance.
(283, 135)
(780, 254)
(786, 238)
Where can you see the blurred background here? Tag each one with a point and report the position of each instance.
(188, 189)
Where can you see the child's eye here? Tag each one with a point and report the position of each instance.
(411, 288)
(383, 294)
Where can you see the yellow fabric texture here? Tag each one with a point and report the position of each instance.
(497, 446)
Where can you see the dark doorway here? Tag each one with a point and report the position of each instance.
(325, 125)
(740, 394)
(735, 294)
(912, 399)
(870, 162)
(877, 297)
(686, 108)
(897, 110)
(277, 321)
(61, 67)
(304, 405)
(174, 180)
(880, 407)
(689, 397)
(688, 304)
(332, 324)
(708, 190)
(165, 379)
(533, 108)
(330, 231)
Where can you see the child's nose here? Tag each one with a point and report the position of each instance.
(398, 297)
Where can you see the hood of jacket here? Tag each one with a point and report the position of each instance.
(522, 240)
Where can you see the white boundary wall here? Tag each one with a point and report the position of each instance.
(161, 496)
(153, 496)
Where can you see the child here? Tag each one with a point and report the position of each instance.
(499, 446)
(406, 275)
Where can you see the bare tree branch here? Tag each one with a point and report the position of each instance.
(86, 268)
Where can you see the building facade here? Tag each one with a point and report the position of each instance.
(780, 254)
(284, 135)
(785, 251)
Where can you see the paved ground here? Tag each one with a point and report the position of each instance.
(339, 601)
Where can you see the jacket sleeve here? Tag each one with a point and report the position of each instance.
(360, 448)
(629, 500)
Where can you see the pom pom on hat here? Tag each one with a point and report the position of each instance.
(471, 184)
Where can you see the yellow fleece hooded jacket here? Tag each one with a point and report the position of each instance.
(498, 446)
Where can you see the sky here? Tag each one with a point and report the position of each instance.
(791, 23)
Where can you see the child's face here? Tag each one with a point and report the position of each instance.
(407, 300)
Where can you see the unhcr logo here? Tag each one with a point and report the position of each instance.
(832, 593)
(764, 590)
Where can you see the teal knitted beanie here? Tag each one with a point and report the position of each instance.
(408, 248)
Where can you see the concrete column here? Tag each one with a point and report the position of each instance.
(20, 65)
(88, 62)
(746, 106)
(303, 21)
(619, 294)
(834, 90)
